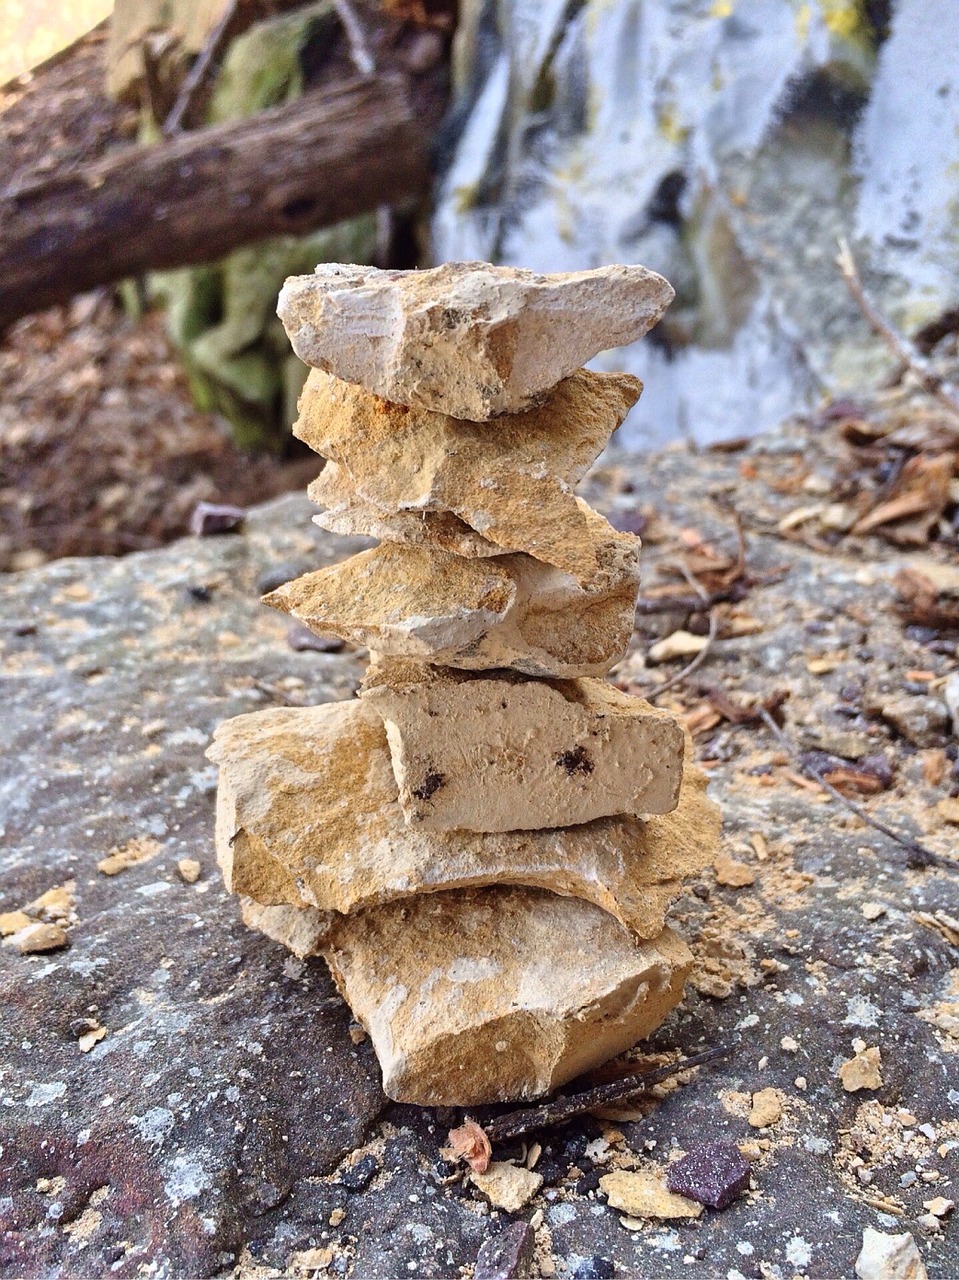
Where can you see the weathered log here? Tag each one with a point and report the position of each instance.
(329, 156)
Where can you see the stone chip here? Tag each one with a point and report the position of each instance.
(466, 338)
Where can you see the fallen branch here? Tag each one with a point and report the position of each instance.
(560, 1110)
(327, 157)
(919, 854)
(184, 109)
(906, 352)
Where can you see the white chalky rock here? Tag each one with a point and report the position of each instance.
(467, 338)
(498, 753)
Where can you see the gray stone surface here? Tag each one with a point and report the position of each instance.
(212, 1127)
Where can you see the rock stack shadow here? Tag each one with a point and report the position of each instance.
(483, 845)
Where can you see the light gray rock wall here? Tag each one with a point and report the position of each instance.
(726, 144)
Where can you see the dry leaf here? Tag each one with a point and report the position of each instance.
(470, 1143)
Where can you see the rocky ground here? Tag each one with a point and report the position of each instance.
(180, 1097)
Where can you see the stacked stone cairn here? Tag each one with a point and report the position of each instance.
(483, 844)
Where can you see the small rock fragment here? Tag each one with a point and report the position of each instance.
(337, 1217)
(680, 644)
(949, 810)
(713, 1174)
(885, 1257)
(507, 1255)
(950, 696)
(465, 338)
(13, 922)
(862, 1071)
(732, 873)
(189, 869)
(139, 849)
(767, 1108)
(644, 1194)
(873, 910)
(56, 904)
(209, 518)
(36, 938)
(919, 718)
(302, 640)
(939, 1207)
(90, 1038)
(506, 1185)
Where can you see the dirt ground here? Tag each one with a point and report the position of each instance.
(101, 449)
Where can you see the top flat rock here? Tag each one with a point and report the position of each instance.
(468, 339)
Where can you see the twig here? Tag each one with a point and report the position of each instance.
(919, 854)
(559, 1110)
(905, 351)
(355, 37)
(196, 78)
(699, 658)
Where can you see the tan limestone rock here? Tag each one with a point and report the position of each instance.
(498, 753)
(511, 483)
(466, 338)
(643, 1194)
(508, 1186)
(308, 815)
(506, 611)
(503, 993)
(347, 514)
(863, 1071)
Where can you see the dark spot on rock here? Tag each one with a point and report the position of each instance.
(575, 761)
(506, 1255)
(430, 785)
(359, 1177)
(200, 593)
(588, 1182)
(713, 1174)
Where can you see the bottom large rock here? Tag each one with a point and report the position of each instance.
(494, 994)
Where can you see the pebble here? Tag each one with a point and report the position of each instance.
(302, 640)
(862, 1071)
(873, 910)
(644, 1194)
(767, 1108)
(713, 1174)
(507, 1254)
(37, 938)
(189, 869)
(885, 1257)
(360, 1175)
(506, 1185)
